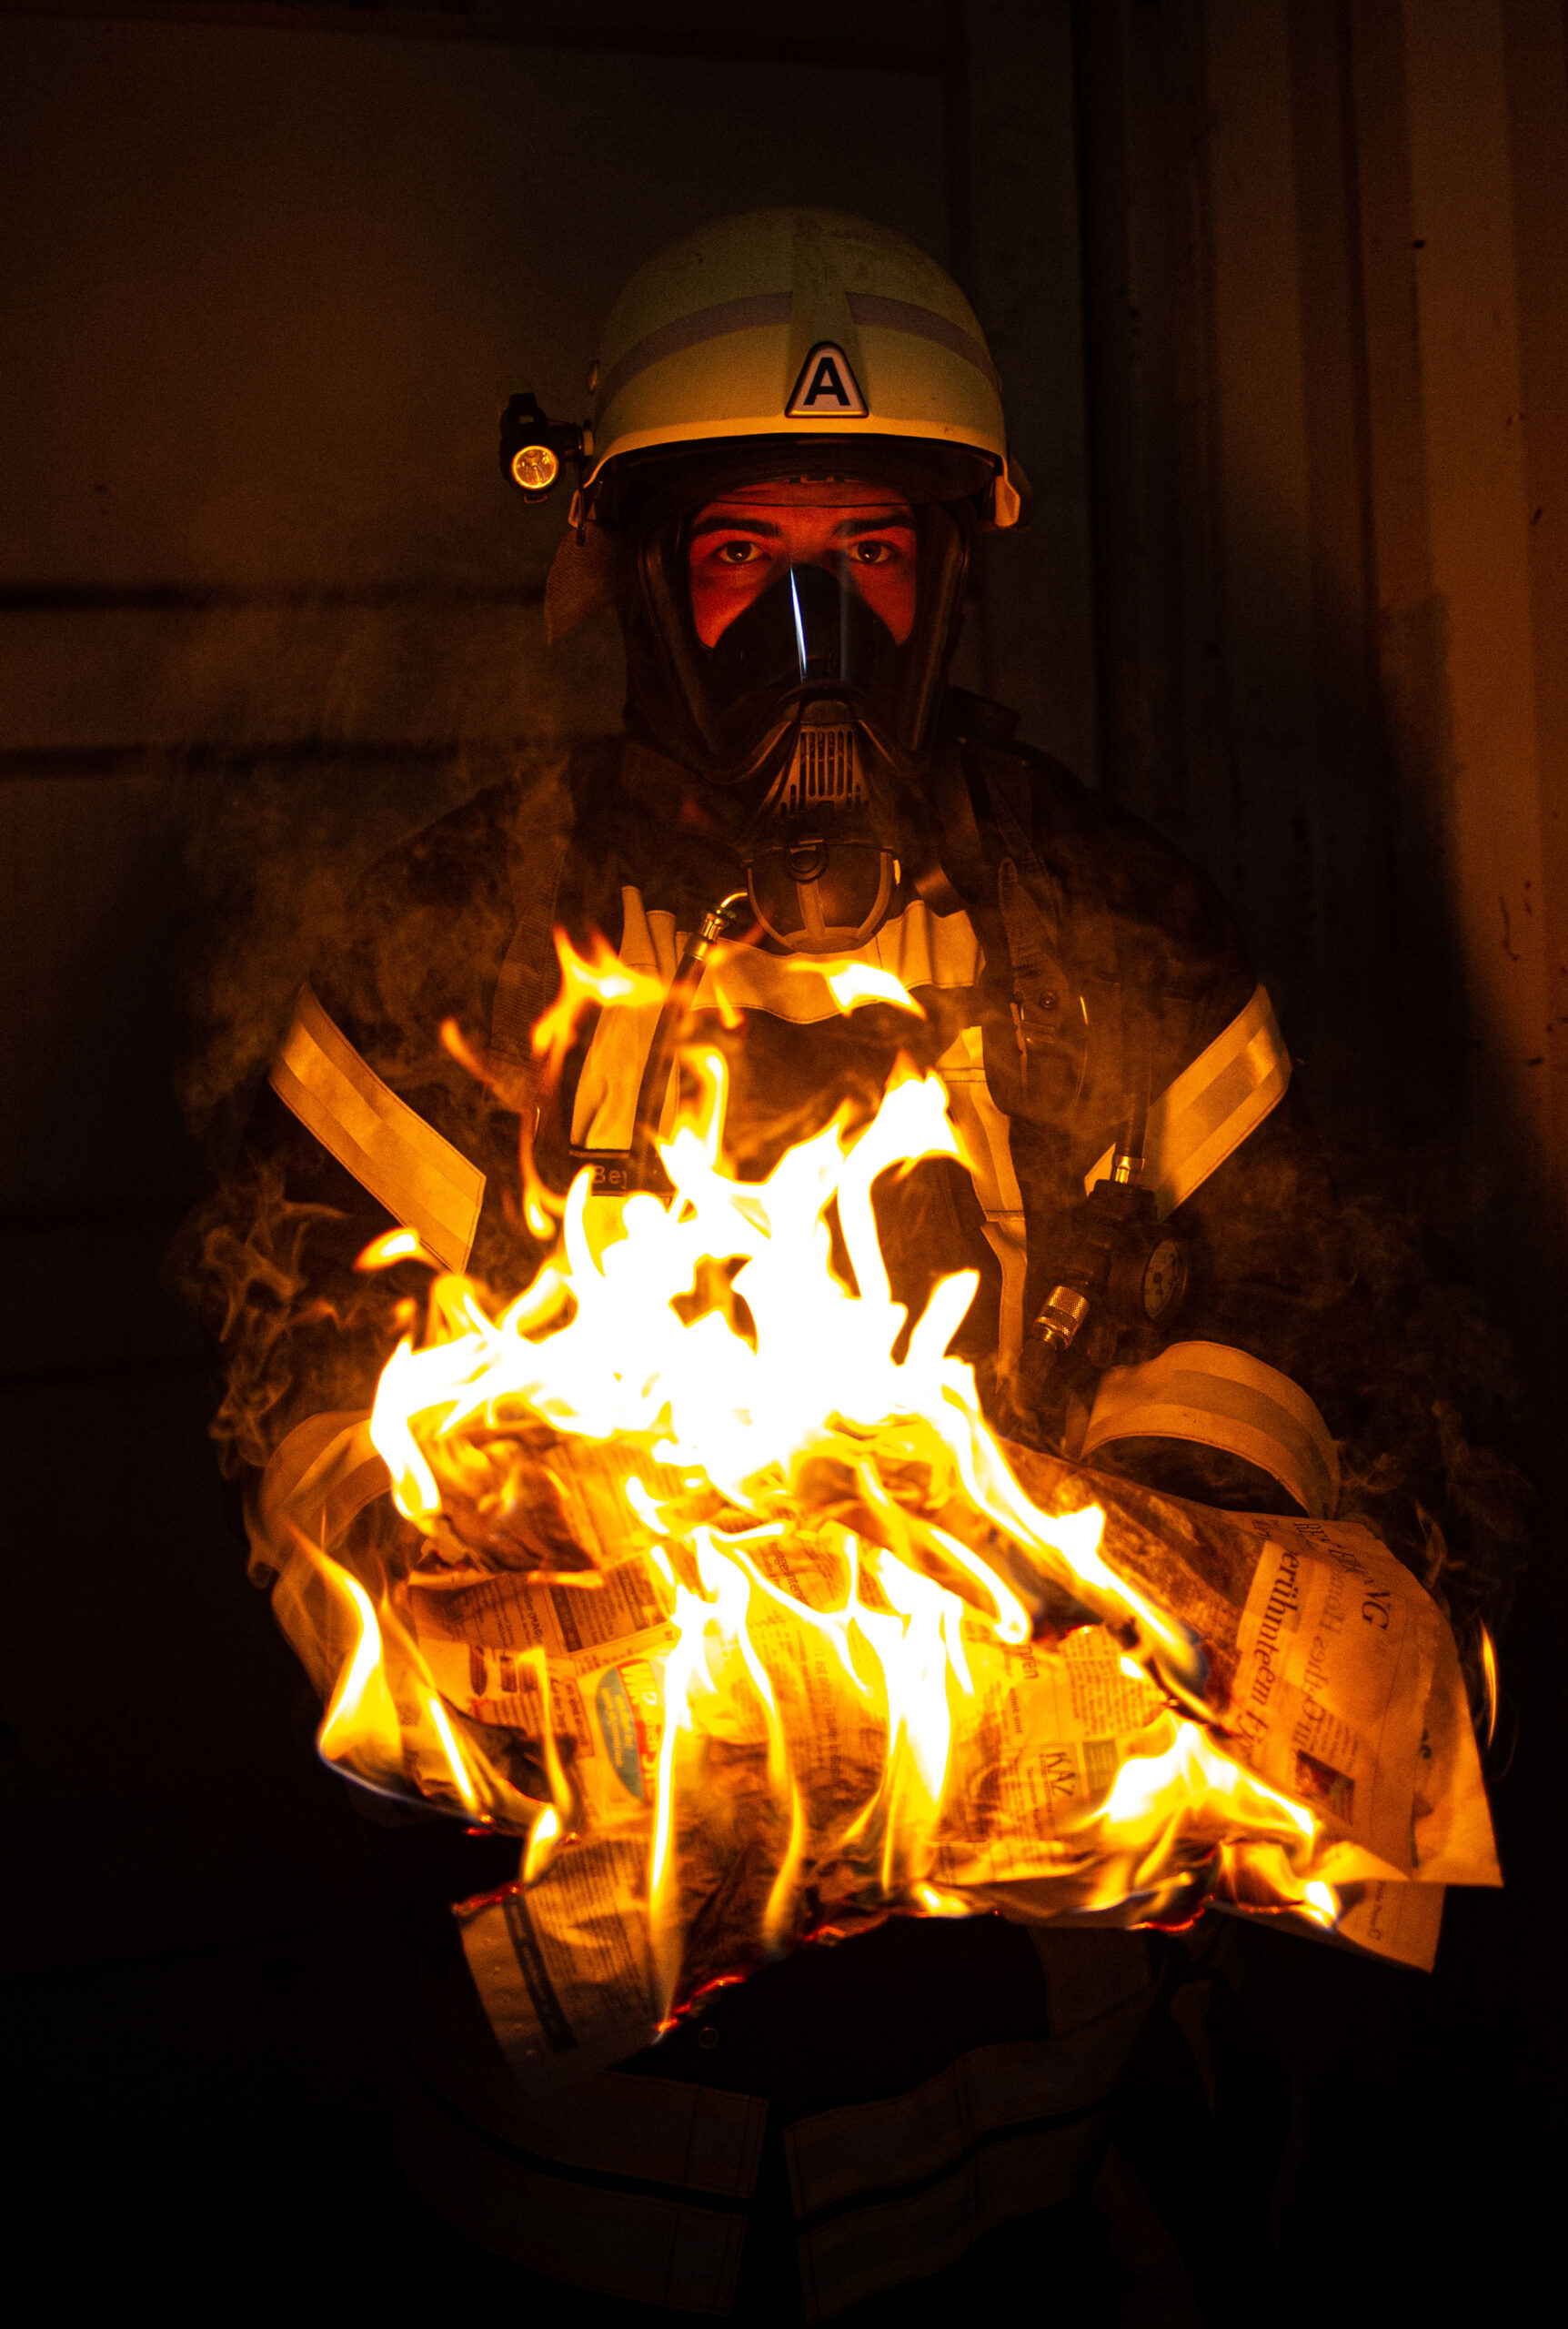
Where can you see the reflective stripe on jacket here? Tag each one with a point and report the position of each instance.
(645, 2187)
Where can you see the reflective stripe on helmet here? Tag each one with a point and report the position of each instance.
(1213, 1105)
(424, 1182)
(673, 338)
(1220, 1397)
(902, 314)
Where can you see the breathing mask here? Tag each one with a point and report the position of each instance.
(788, 639)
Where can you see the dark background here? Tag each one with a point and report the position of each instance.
(1277, 293)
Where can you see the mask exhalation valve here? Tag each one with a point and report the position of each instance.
(825, 772)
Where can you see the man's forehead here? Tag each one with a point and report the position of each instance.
(811, 493)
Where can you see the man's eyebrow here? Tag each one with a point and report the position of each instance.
(741, 525)
(884, 524)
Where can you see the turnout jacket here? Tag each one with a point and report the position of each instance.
(921, 2086)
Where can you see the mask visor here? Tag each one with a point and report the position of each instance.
(766, 608)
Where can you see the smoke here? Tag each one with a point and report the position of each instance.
(274, 854)
(1435, 1389)
(318, 733)
(244, 1260)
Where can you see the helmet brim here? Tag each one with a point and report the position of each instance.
(660, 479)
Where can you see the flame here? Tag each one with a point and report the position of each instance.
(392, 1246)
(386, 1724)
(864, 982)
(818, 1375)
(902, 1659)
(360, 1708)
(804, 1475)
(933, 1903)
(602, 979)
(517, 1089)
(1489, 1670)
(1158, 1803)
(539, 1850)
(455, 1763)
(1321, 1901)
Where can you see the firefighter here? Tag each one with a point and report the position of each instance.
(797, 440)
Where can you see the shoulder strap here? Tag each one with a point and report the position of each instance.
(1052, 945)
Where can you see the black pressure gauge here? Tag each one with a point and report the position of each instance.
(1164, 1280)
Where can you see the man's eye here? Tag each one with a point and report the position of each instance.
(871, 553)
(737, 553)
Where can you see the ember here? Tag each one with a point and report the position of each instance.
(720, 1590)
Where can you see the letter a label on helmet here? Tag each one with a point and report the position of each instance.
(827, 390)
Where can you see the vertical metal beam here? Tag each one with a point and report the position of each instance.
(1021, 269)
(1420, 1000)
(1343, 815)
(1147, 307)
(1264, 506)
(1237, 704)
(1489, 790)
(1536, 67)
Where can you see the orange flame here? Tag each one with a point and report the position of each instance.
(864, 982)
(603, 979)
(804, 1477)
(392, 1246)
(361, 1712)
(386, 1724)
(539, 1851)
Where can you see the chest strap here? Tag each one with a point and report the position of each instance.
(1218, 1099)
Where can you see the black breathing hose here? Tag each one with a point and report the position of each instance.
(644, 1170)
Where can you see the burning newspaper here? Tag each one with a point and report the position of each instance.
(1337, 1786)
(719, 1592)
